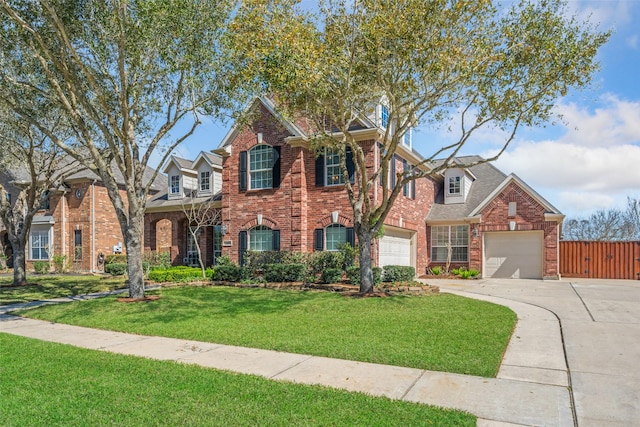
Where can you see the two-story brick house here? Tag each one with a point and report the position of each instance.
(278, 195)
(192, 186)
(77, 221)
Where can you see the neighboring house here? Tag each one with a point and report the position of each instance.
(278, 195)
(78, 221)
(189, 184)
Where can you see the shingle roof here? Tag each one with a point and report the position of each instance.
(161, 200)
(488, 178)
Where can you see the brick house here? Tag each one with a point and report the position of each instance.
(77, 221)
(190, 185)
(277, 195)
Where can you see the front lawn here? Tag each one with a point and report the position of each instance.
(48, 286)
(440, 332)
(48, 384)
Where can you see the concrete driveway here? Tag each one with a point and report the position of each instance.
(600, 321)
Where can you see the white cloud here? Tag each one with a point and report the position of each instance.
(632, 41)
(613, 13)
(585, 201)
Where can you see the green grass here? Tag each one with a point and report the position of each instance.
(442, 332)
(55, 286)
(48, 384)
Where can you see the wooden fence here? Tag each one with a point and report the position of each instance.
(600, 260)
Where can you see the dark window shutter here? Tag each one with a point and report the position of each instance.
(351, 237)
(405, 169)
(243, 171)
(242, 246)
(351, 166)
(393, 171)
(276, 167)
(276, 240)
(320, 171)
(413, 189)
(380, 148)
(318, 239)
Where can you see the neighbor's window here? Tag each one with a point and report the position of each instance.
(261, 166)
(333, 171)
(336, 236)
(457, 236)
(454, 185)
(175, 184)
(40, 244)
(260, 238)
(205, 180)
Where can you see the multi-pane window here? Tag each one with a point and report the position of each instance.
(336, 236)
(261, 166)
(205, 180)
(192, 248)
(260, 238)
(175, 184)
(454, 185)
(384, 116)
(77, 242)
(455, 237)
(406, 137)
(40, 244)
(333, 170)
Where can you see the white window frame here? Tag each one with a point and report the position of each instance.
(261, 170)
(332, 244)
(384, 116)
(406, 137)
(260, 239)
(329, 179)
(458, 235)
(205, 180)
(41, 246)
(455, 183)
(173, 180)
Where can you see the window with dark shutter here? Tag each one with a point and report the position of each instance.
(351, 237)
(393, 171)
(320, 171)
(242, 246)
(351, 166)
(318, 239)
(276, 167)
(276, 240)
(405, 169)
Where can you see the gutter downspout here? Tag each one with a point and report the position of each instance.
(93, 226)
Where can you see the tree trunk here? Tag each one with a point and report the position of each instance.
(133, 243)
(19, 265)
(366, 272)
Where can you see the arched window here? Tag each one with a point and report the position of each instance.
(260, 238)
(336, 236)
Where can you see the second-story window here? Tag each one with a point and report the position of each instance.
(261, 166)
(175, 184)
(454, 185)
(205, 181)
(333, 169)
(384, 116)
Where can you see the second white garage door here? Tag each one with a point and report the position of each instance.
(396, 248)
(513, 254)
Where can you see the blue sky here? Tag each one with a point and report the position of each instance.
(592, 160)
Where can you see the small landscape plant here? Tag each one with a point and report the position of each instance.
(60, 263)
(436, 271)
(41, 267)
(294, 272)
(115, 268)
(331, 275)
(394, 273)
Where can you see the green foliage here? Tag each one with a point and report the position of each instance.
(353, 275)
(349, 253)
(223, 260)
(229, 273)
(331, 275)
(115, 258)
(60, 263)
(436, 270)
(321, 260)
(398, 273)
(285, 272)
(41, 267)
(155, 259)
(178, 274)
(116, 268)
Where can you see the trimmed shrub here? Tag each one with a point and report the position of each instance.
(331, 275)
(60, 264)
(116, 268)
(229, 273)
(41, 267)
(353, 275)
(398, 273)
(320, 261)
(115, 259)
(284, 272)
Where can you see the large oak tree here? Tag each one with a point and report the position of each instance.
(130, 77)
(464, 64)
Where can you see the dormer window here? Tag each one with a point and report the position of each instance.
(406, 137)
(175, 184)
(454, 185)
(205, 180)
(384, 116)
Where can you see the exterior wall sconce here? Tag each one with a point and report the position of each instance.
(474, 232)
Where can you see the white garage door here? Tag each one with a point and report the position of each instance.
(395, 248)
(513, 254)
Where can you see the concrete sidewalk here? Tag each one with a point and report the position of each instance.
(531, 387)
